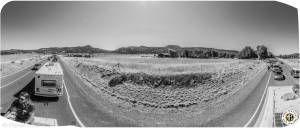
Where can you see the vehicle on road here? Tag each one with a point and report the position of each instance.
(295, 72)
(36, 66)
(49, 80)
(277, 69)
(279, 76)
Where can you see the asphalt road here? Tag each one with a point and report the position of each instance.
(57, 108)
(79, 107)
(241, 115)
(86, 109)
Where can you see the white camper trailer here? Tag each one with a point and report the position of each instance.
(49, 80)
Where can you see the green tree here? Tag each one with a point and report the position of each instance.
(262, 51)
(173, 53)
(247, 53)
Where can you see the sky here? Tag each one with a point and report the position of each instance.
(111, 25)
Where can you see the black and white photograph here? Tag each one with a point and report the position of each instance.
(149, 64)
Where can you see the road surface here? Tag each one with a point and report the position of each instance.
(242, 114)
(85, 111)
(80, 108)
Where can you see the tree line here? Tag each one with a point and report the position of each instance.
(291, 56)
(261, 52)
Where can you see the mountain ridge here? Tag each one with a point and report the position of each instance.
(121, 50)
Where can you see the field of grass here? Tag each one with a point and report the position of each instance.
(162, 66)
(293, 63)
(16, 62)
(166, 86)
(166, 90)
(141, 74)
(17, 57)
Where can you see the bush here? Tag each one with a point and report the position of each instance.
(179, 80)
(117, 80)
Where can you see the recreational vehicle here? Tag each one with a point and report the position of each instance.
(49, 80)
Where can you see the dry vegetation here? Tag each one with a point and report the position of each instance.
(15, 62)
(162, 84)
(294, 63)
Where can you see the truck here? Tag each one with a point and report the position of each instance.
(49, 80)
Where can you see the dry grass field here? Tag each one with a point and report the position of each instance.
(161, 66)
(226, 76)
(293, 63)
(16, 57)
(188, 87)
(16, 62)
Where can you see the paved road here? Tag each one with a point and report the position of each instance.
(87, 111)
(56, 108)
(241, 115)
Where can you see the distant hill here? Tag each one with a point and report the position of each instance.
(140, 50)
(290, 56)
(78, 49)
(125, 50)
(15, 51)
(157, 50)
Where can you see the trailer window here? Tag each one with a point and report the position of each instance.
(49, 83)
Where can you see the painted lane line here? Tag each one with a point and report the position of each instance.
(70, 104)
(260, 102)
(15, 80)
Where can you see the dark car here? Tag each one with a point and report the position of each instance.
(276, 69)
(279, 76)
(36, 67)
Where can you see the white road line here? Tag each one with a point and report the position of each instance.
(260, 102)
(14, 80)
(70, 104)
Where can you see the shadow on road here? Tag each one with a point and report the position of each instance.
(30, 89)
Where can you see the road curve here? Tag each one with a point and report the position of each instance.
(90, 112)
(241, 115)
(84, 105)
(87, 106)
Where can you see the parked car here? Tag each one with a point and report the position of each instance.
(295, 72)
(279, 76)
(36, 66)
(276, 69)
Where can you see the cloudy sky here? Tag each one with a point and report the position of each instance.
(110, 25)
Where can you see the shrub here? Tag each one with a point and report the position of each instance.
(179, 80)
